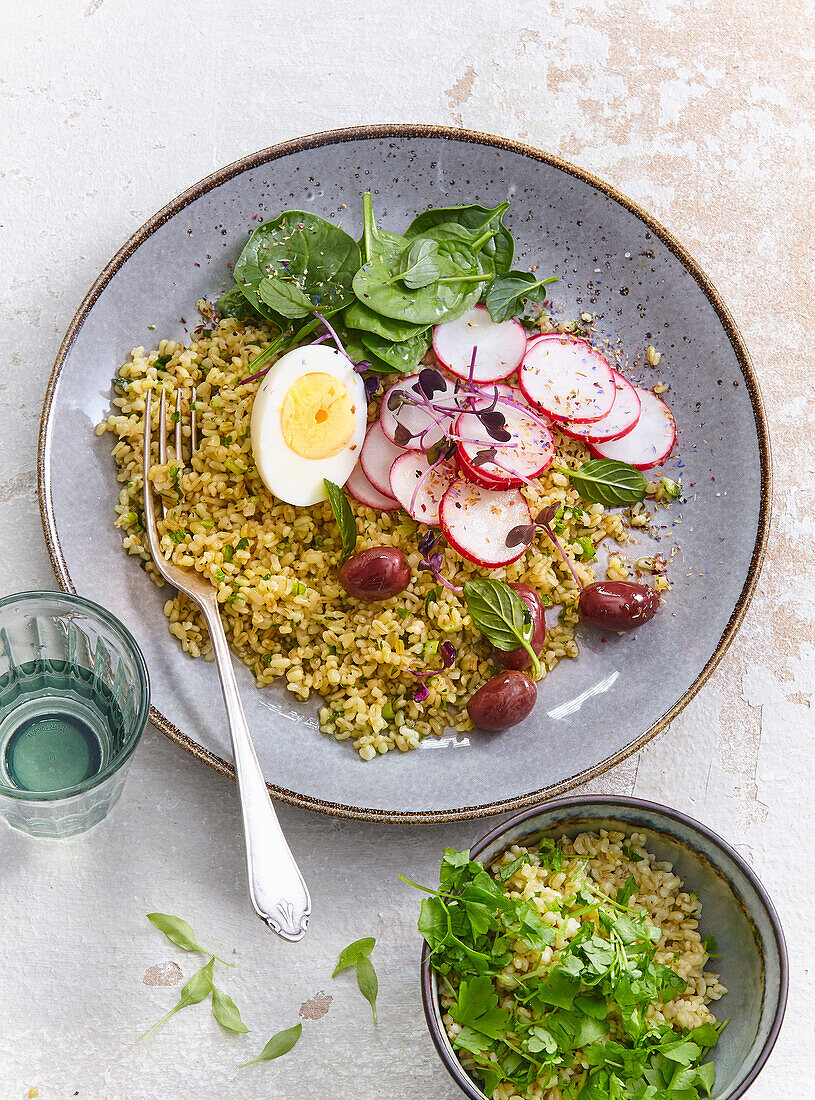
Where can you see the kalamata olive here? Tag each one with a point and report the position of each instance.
(503, 701)
(519, 658)
(618, 605)
(375, 574)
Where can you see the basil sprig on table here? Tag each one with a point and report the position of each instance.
(181, 934)
(344, 517)
(502, 616)
(278, 1045)
(607, 481)
(358, 954)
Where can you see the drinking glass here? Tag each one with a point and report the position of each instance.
(74, 699)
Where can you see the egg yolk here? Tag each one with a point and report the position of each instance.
(317, 416)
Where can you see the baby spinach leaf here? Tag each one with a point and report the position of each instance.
(404, 356)
(180, 933)
(375, 241)
(350, 955)
(298, 263)
(418, 265)
(367, 982)
(197, 989)
(226, 1012)
(607, 481)
(277, 1046)
(501, 615)
(506, 297)
(477, 221)
(344, 517)
(358, 316)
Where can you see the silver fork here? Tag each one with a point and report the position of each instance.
(277, 889)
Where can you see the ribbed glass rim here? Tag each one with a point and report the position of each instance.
(92, 611)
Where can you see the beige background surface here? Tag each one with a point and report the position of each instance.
(703, 111)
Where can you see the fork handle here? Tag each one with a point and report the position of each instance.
(277, 890)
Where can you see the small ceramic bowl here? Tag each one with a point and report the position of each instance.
(735, 909)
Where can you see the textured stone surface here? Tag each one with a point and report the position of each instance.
(702, 111)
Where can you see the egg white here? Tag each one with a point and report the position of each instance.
(290, 476)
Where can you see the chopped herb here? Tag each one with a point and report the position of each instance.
(635, 857)
(344, 517)
(711, 948)
(228, 551)
(177, 536)
(403, 612)
(242, 544)
(671, 488)
(588, 551)
(298, 588)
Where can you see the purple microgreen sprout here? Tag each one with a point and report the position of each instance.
(434, 562)
(372, 385)
(447, 652)
(525, 533)
(332, 333)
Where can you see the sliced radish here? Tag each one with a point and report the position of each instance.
(361, 489)
(416, 419)
(476, 522)
(525, 455)
(501, 346)
(625, 412)
(411, 470)
(651, 440)
(567, 379)
(377, 456)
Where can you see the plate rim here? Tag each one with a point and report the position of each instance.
(373, 131)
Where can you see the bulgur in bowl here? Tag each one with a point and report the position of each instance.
(716, 961)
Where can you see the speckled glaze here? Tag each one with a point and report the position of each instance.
(614, 261)
(735, 908)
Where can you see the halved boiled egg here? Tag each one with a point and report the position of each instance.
(308, 423)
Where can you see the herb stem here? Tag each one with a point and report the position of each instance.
(466, 279)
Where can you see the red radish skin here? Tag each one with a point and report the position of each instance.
(567, 379)
(377, 457)
(501, 346)
(416, 419)
(361, 489)
(650, 442)
(623, 417)
(405, 476)
(529, 451)
(476, 522)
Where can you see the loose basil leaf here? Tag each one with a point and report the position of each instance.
(196, 990)
(226, 1012)
(277, 1046)
(180, 933)
(358, 316)
(418, 266)
(367, 982)
(477, 220)
(404, 356)
(506, 297)
(501, 615)
(351, 955)
(296, 264)
(344, 517)
(607, 481)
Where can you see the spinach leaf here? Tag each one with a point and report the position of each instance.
(506, 297)
(358, 316)
(180, 933)
(477, 220)
(197, 989)
(344, 517)
(501, 616)
(404, 356)
(607, 481)
(277, 1046)
(226, 1012)
(234, 303)
(418, 266)
(375, 241)
(296, 264)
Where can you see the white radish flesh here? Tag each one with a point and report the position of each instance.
(361, 489)
(567, 379)
(477, 521)
(650, 442)
(525, 455)
(500, 346)
(625, 412)
(413, 470)
(377, 456)
(418, 422)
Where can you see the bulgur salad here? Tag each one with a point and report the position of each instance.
(573, 969)
(405, 469)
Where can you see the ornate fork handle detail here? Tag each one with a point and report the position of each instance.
(277, 889)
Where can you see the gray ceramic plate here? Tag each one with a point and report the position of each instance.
(616, 262)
